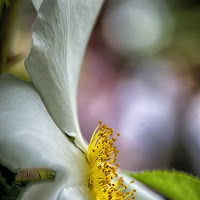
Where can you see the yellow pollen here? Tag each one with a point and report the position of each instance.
(101, 155)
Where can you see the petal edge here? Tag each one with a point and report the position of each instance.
(60, 35)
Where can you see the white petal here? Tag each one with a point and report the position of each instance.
(37, 4)
(142, 192)
(55, 190)
(71, 193)
(30, 138)
(60, 35)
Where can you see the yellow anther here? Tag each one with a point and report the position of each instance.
(101, 156)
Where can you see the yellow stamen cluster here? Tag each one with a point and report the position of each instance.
(101, 155)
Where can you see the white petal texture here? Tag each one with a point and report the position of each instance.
(37, 4)
(30, 138)
(60, 35)
(71, 193)
(142, 192)
(55, 191)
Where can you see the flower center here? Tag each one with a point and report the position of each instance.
(104, 182)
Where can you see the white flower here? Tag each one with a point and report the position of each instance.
(37, 119)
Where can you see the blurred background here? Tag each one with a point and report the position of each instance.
(140, 76)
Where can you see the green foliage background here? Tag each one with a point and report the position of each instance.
(174, 185)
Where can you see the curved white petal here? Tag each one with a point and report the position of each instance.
(37, 4)
(142, 192)
(70, 193)
(54, 191)
(57, 190)
(30, 138)
(60, 35)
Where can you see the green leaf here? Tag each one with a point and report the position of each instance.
(172, 184)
